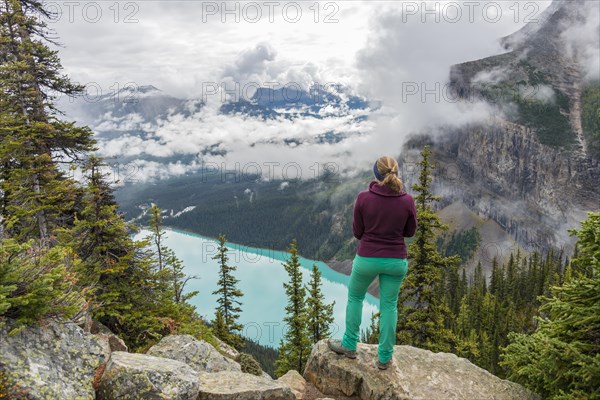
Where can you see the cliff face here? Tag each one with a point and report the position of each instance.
(501, 171)
(531, 167)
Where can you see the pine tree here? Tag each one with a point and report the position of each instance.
(128, 292)
(101, 239)
(229, 293)
(295, 346)
(36, 195)
(320, 315)
(423, 322)
(560, 359)
(38, 275)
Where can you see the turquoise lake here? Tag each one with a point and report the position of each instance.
(261, 275)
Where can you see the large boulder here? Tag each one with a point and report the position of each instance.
(414, 374)
(198, 354)
(233, 385)
(294, 381)
(140, 376)
(50, 360)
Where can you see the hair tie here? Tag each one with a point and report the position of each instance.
(377, 173)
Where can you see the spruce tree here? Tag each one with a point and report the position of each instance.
(170, 269)
(38, 275)
(422, 313)
(295, 346)
(229, 294)
(219, 328)
(320, 315)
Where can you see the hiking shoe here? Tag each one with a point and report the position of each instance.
(337, 346)
(381, 365)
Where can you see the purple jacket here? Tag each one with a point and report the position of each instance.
(382, 219)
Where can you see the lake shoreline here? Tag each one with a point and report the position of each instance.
(341, 266)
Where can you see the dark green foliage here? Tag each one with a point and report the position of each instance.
(38, 276)
(249, 364)
(561, 358)
(548, 118)
(320, 315)
(265, 355)
(590, 117)
(463, 244)
(38, 283)
(421, 308)
(488, 313)
(295, 345)
(228, 311)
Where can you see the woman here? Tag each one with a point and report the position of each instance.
(383, 216)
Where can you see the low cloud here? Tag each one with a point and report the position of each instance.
(582, 39)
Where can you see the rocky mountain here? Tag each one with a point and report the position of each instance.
(59, 360)
(534, 167)
(291, 101)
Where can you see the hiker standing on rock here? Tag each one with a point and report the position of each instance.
(383, 216)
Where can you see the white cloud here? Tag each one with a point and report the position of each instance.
(583, 39)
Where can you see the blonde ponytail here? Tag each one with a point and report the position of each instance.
(388, 167)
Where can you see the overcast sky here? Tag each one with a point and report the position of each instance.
(178, 45)
(374, 47)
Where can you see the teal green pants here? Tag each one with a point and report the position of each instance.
(391, 272)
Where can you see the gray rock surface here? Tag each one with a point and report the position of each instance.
(108, 340)
(232, 385)
(227, 350)
(414, 374)
(51, 360)
(295, 381)
(198, 354)
(101, 331)
(140, 376)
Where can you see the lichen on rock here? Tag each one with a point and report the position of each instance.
(198, 354)
(50, 360)
(140, 376)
